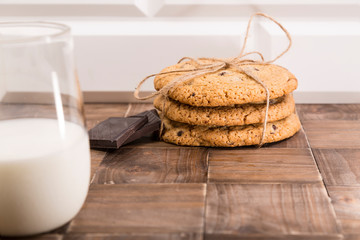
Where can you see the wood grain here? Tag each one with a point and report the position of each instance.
(153, 165)
(135, 236)
(250, 210)
(297, 141)
(150, 142)
(9, 111)
(339, 166)
(328, 111)
(346, 202)
(96, 157)
(351, 237)
(265, 165)
(142, 208)
(12, 111)
(333, 134)
(95, 113)
(334, 139)
(46, 236)
(135, 108)
(154, 190)
(328, 126)
(273, 237)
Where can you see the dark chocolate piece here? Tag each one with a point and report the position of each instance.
(114, 131)
(153, 125)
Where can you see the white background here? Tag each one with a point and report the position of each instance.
(119, 42)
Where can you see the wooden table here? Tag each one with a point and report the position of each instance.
(307, 187)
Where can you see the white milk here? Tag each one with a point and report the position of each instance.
(44, 174)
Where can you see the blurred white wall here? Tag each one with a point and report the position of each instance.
(119, 42)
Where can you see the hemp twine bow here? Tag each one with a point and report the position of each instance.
(204, 68)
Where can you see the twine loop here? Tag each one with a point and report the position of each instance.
(216, 64)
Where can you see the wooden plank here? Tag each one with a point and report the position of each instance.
(339, 166)
(46, 236)
(9, 111)
(135, 108)
(346, 202)
(264, 210)
(153, 165)
(142, 208)
(328, 111)
(96, 157)
(299, 140)
(150, 142)
(265, 165)
(56, 234)
(135, 236)
(351, 237)
(61, 230)
(335, 139)
(333, 134)
(95, 113)
(274, 237)
(328, 126)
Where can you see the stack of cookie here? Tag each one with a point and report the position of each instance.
(227, 108)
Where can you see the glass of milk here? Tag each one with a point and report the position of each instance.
(44, 146)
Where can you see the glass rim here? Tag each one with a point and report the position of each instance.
(62, 30)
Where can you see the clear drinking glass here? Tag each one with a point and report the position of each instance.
(44, 147)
